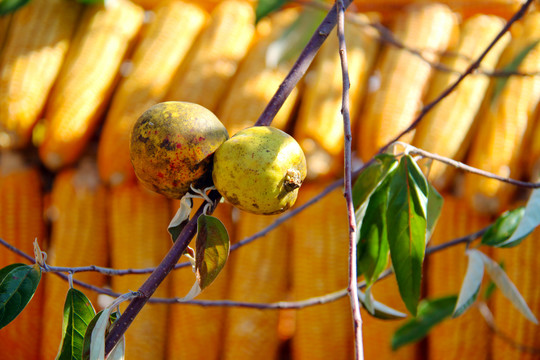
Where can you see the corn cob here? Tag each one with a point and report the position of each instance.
(214, 60)
(533, 163)
(255, 83)
(319, 127)
(78, 238)
(444, 129)
(139, 239)
(195, 325)
(21, 221)
(4, 27)
(521, 265)
(35, 48)
(86, 80)
(468, 335)
(319, 266)
(156, 58)
(501, 130)
(211, 4)
(403, 76)
(258, 274)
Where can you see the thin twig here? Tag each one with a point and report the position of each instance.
(352, 289)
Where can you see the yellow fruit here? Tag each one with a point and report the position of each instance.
(171, 146)
(260, 170)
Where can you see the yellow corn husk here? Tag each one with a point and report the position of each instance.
(86, 80)
(444, 129)
(468, 335)
(533, 163)
(21, 221)
(34, 50)
(258, 273)
(213, 61)
(4, 27)
(522, 266)
(255, 82)
(196, 325)
(319, 127)
(403, 76)
(139, 239)
(211, 4)
(497, 144)
(319, 259)
(156, 58)
(78, 238)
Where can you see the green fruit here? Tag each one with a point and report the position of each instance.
(259, 170)
(172, 144)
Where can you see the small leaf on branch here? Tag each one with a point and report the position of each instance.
(382, 311)
(471, 283)
(266, 7)
(18, 283)
(91, 326)
(529, 222)
(212, 249)
(509, 290)
(78, 313)
(181, 218)
(407, 223)
(430, 313)
(503, 228)
(434, 207)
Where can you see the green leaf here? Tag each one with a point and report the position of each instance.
(503, 228)
(18, 283)
(407, 222)
(382, 311)
(78, 313)
(529, 222)
(265, 7)
(91, 326)
(509, 290)
(293, 39)
(373, 249)
(512, 66)
(181, 218)
(9, 6)
(491, 287)
(430, 313)
(212, 249)
(434, 207)
(471, 283)
(90, 2)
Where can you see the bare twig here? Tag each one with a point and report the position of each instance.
(352, 289)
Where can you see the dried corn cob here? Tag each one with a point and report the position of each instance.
(86, 80)
(497, 143)
(521, 265)
(195, 325)
(4, 27)
(319, 266)
(319, 127)
(403, 76)
(468, 335)
(444, 129)
(214, 60)
(78, 238)
(258, 274)
(139, 239)
(35, 48)
(255, 83)
(158, 55)
(533, 163)
(21, 221)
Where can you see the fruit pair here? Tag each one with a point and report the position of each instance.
(258, 170)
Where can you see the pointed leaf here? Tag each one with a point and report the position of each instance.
(434, 207)
(289, 45)
(430, 313)
(529, 222)
(18, 283)
(78, 313)
(265, 7)
(91, 326)
(181, 218)
(503, 228)
(406, 221)
(382, 311)
(8, 6)
(471, 283)
(503, 282)
(373, 249)
(371, 177)
(212, 249)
